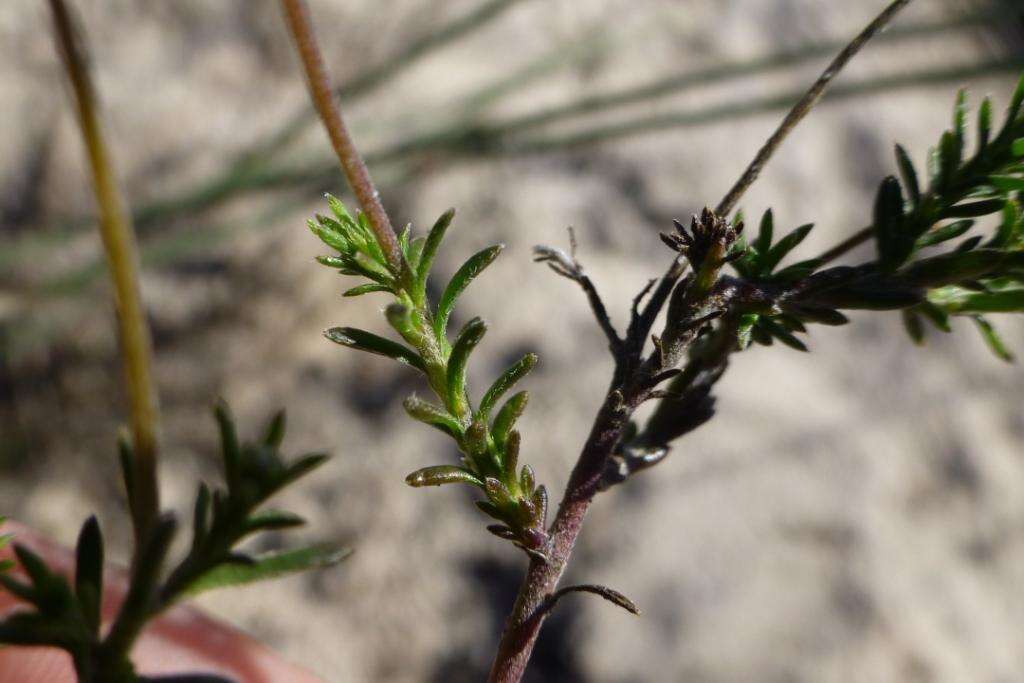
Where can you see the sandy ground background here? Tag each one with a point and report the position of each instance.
(853, 514)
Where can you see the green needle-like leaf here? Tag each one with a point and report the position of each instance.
(909, 175)
(273, 434)
(268, 566)
(433, 415)
(367, 341)
(272, 520)
(469, 270)
(784, 246)
(89, 573)
(230, 449)
(469, 337)
(944, 233)
(442, 474)
(430, 247)
(893, 248)
(984, 123)
(764, 236)
(507, 416)
(368, 288)
(992, 339)
(505, 382)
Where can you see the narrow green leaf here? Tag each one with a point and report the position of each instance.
(442, 474)
(505, 382)
(950, 156)
(468, 338)
(297, 469)
(433, 415)
(18, 589)
(430, 247)
(784, 246)
(822, 316)
(1007, 183)
(469, 270)
(1017, 148)
(506, 418)
(908, 174)
(367, 341)
(1008, 227)
(272, 520)
(339, 209)
(540, 504)
(956, 267)
(913, 325)
(332, 238)
(992, 339)
(498, 493)
(490, 509)
(974, 209)
(984, 123)
(414, 253)
(527, 479)
(401, 320)
(510, 458)
(781, 333)
(368, 288)
(764, 236)
(201, 516)
(960, 300)
(89, 573)
(268, 566)
(944, 233)
(960, 117)
(938, 317)
(893, 248)
(273, 433)
(1015, 102)
(230, 451)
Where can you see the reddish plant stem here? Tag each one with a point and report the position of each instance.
(542, 578)
(297, 15)
(528, 613)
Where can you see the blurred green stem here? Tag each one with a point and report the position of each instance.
(122, 258)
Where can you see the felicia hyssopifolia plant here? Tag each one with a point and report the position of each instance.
(722, 293)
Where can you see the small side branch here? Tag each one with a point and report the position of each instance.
(569, 267)
(803, 107)
(297, 15)
(852, 242)
(612, 596)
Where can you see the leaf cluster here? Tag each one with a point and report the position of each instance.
(483, 431)
(68, 616)
(913, 219)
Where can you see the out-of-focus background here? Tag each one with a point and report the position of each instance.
(852, 514)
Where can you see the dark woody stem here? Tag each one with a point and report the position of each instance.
(628, 391)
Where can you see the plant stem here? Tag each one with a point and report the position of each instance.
(528, 613)
(804, 106)
(373, 77)
(297, 15)
(852, 242)
(122, 258)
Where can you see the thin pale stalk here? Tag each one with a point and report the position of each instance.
(122, 258)
(299, 24)
(805, 105)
